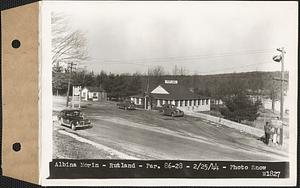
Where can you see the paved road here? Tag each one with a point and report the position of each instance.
(141, 134)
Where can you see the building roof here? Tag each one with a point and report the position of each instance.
(177, 92)
(70, 110)
(138, 95)
(172, 92)
(94, 89)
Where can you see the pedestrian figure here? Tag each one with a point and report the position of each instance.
(276, 125)
(274, 135)
(267, 128)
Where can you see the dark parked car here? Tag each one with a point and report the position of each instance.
(126, 105)
(73, 118)
(171, 110)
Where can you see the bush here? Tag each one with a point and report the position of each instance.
(240, 107)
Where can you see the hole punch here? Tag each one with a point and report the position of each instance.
(16, 43)
(16, 147)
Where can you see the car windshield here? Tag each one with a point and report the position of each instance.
(77, 113)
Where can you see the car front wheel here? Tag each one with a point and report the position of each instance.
(73, 126)
(60, 121)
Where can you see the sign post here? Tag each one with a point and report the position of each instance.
(76, 97)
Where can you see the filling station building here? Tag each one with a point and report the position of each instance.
(171, 92)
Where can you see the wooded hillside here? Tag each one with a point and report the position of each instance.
(216, 86)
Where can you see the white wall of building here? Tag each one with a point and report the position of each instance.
(84, 94)
(94, 96)
(159, 90)
(185, 105)
(198, 106)
(136, 100)
(267, 104)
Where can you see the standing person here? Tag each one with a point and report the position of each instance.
(275, 135)
(267, 128)
(276, 124)
(279, 131)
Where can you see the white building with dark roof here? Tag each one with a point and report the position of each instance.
(171, 92)
(93, 94)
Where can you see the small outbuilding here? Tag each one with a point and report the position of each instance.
(93, 94)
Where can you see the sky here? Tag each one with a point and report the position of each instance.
(202, 37)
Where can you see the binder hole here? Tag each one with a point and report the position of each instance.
(16, 43)
(17, 147)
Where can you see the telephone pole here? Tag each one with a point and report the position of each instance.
(147, 92)
(69, 82)
(280, 58)
(281, 82)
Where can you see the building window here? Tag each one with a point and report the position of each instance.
(190, 102)
(206, 101)
(180, 103)
(195, 102)
(186, 102)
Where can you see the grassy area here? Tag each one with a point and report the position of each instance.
(66, 147)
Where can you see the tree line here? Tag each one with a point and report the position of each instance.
(216, 86)
(233, 89)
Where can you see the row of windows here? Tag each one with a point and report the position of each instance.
(195, 102)
(137, 101)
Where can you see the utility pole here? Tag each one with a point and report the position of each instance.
(281, 59)
(69, 82)
(147, 92)
(281, 82)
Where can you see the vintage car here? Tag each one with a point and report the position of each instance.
(126, 105)
(73, 118)
(171, 110)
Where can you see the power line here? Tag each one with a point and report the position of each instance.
(230, 68)
(187, 60)
(183, 58)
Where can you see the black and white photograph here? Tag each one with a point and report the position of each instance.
(173, 81)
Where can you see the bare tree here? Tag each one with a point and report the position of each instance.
(156, 71)
(182, 71)
(175, 70)
(155, 74)
(67, 45)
